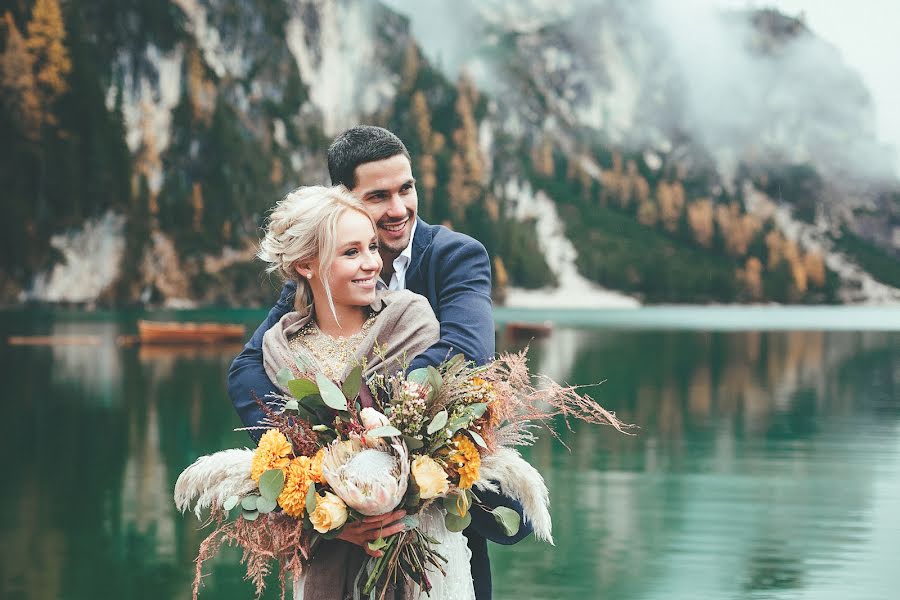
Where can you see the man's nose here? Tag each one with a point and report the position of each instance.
(396, 209)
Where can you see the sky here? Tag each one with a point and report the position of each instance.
(865, 33)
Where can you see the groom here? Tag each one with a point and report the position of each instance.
(450, 269)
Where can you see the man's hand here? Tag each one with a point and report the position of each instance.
(372, 528)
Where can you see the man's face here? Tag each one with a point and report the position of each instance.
(388, 191)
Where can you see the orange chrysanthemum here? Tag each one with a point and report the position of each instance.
(315, 466)
(296, 484)
(273, 452)
(466, 460)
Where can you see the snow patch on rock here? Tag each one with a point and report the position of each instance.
(91, 259)
(574, 291)
(337, 62)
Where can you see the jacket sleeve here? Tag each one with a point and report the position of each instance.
(467, 326)
(485, 524)
(247, 379)
(463, 307)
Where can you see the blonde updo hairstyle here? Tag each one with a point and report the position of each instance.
(302, 227)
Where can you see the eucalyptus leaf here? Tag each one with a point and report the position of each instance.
(477, 409)
(231, 502)
(413, 443)
(250, 515)
(437, 422)
(264, 505)
(419, 376)
(412, 499)
(456, 523)
(249, 502)
(283, 376)
(331, 394)
(302, 365)
(311, 499)
(452, 504)
(301, 388)
(384, 431)
(478, 439)
(330, 535)
(292, 404)
(435, 379)
(352, 383)
(411, 521)
(377, 544)
(270, 484)
(458, 423)
(508, 519)
(455, 360)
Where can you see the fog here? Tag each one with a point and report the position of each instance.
(746, 97)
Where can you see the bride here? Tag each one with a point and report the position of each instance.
(323, 239)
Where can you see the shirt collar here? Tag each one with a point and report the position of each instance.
(406, 256)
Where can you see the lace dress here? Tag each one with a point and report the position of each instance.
(331, 356)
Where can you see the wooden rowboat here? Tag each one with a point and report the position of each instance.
(160, 332)
(523, 329)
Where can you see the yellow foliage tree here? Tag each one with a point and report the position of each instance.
(197, 205)
(815, 268)
(751, 276)
(466, 164)
(410, 66)
(542, 158)
(46, 44)
(648, 213)
(774, 244)
(422, 119)
(17, 81)
(671, 203)
(700, 220)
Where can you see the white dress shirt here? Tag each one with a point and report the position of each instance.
(401, 264)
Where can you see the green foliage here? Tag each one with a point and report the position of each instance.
(801, 185)
(79, 168)
(878, 262)
(618, 252)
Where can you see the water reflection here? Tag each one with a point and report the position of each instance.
(766, 466)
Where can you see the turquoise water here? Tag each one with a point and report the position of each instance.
(767, 463)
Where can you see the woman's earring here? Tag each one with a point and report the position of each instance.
(309, 275)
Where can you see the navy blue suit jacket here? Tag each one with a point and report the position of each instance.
(453, 272)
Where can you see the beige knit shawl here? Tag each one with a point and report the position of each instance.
(406, 326)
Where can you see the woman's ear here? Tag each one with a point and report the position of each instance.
(304, 270)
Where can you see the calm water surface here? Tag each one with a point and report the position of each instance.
(767, 463)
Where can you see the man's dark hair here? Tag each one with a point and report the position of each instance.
(357, 146)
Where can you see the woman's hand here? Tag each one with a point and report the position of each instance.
(372, 528)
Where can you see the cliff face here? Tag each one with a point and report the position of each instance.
(688, 157)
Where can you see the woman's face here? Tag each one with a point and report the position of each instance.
(356, 264)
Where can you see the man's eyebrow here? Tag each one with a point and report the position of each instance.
(410, 181)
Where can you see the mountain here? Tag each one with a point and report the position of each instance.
(665, 154)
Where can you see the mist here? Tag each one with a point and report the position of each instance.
(650, 71)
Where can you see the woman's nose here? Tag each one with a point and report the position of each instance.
(372, 262)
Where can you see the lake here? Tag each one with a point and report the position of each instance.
(766, 465)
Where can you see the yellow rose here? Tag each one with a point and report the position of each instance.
(429, 477)
(330, 513)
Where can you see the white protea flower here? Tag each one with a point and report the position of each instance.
(369, 480)
(371, 418)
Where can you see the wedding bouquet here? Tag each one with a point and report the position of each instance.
(333, 455)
